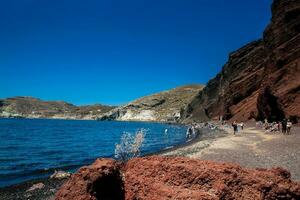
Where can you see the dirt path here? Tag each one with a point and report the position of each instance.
(252, 148)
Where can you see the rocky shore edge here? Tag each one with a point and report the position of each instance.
(47, 187)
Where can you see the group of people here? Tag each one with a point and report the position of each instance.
(190, 133)
(237, 127)
(194, 128)
(284, 126)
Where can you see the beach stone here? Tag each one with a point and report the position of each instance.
(161, 178)
(60, 174)
(36, 187)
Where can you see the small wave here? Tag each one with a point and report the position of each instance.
(51, 152)
(10, 148)
(21, 166)
(37, 172)
(8, 159)
(169, 147)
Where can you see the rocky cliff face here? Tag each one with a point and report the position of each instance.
(29, 107)
(164, 178)
(260, 80)
(163, 106)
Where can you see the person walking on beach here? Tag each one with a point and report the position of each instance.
(288, 126)
(266, 124)
(284, 123)
(277, 127)
(242, 125)
(189, 133)
(234, 125)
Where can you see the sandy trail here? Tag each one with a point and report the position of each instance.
(252, 148)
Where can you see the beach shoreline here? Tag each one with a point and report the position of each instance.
(21, 191)
(251, 148)
(205, 135)
(51, 185)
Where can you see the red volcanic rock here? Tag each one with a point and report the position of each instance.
(162, 178)
(101, 180)
(270, 64)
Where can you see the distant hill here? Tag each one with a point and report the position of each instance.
(260, 80)
(163, 106)
(29, 107)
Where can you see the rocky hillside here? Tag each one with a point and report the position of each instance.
(29, 107)
(164, 178)
(260, 80)
(163, 106)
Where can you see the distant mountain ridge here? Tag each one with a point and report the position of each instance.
(260, 80)
(30, 107)
(163, 106)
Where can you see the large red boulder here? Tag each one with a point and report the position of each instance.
(163, 178)
(101, 180)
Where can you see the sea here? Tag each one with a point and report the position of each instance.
(34, 148)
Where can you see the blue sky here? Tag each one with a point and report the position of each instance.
(111, 52)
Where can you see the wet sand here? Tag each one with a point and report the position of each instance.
(252, 148)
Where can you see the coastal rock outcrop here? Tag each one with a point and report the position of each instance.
(271, 63)
(101, 180)
(163, 178)
(29, 107)
(163, 106)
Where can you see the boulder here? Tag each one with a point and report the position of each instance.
(161, 178)
(101, 180)
(36, 186)
(60, 174)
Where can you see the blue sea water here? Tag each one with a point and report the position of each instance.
(34, 148)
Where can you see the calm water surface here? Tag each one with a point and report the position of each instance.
(34, 148)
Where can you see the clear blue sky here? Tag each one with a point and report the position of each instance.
(111, 52)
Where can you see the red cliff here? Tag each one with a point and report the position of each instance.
(260, 80)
